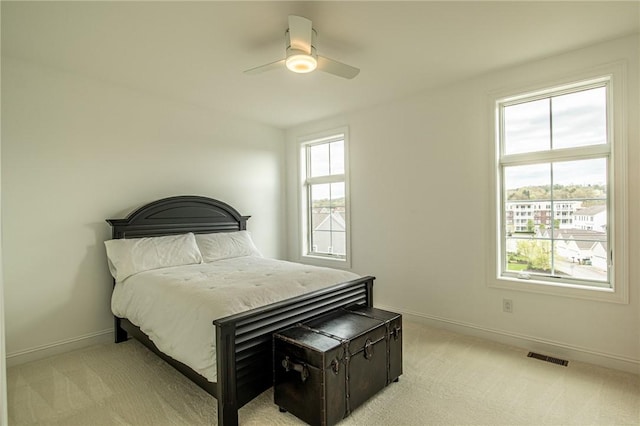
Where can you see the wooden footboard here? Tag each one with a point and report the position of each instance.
(244, 341)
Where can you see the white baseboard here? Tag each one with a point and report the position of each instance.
(530, 343)
(62, 346)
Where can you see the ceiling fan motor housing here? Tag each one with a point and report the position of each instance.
(301, 57)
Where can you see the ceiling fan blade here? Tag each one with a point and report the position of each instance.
(266, 67)
(300, 33)
(337, 68)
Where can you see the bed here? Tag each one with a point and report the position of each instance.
(243, 341)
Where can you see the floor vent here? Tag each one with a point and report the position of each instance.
(551, 359)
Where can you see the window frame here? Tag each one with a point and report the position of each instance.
(613, 76)
(305, 253)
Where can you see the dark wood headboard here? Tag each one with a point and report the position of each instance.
(178, 215)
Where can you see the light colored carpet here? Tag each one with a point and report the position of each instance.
(448, 379)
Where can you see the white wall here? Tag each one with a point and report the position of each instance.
(77, 151)
(420, 182)
(4, 415)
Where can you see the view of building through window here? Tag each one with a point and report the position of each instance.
(555, 207)
(328, 219)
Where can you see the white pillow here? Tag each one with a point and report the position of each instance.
(130, 256)
(225, 245)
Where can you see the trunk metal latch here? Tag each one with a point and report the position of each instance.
(396, 332)
(335, 366)
(300, 368)
(368, 349)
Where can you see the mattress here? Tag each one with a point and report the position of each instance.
(176, 306)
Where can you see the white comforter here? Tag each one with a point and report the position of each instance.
(176, 306)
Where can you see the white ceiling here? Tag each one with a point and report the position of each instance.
(195, 52)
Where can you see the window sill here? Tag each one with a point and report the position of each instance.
(328, 262)
(564, 290)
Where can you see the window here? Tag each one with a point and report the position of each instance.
(554, 168)
(324, 194)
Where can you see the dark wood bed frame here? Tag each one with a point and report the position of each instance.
(244, 340)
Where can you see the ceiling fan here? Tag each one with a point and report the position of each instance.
(301, 55)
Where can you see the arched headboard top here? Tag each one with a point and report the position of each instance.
(177, 215)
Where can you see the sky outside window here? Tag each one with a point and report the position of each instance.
(565, 121)
(327, 159)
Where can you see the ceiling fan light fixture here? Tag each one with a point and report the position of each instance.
(301, 55)
(301, 63)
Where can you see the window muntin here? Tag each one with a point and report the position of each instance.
(555, 168)
(324, 191)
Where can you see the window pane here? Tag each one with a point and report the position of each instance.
(583, 179)
(328, 226)
(320, 211)
(337, 157)
(528, 255)
(580, 118)
(326, 159)
(531, 182)
(320, 195)
(337, 195)
(527, 198)
(319, 160)
(581, 259)
(580, 195)
(527, 127)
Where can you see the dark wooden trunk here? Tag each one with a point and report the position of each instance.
(329, 366)
(393, 325)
